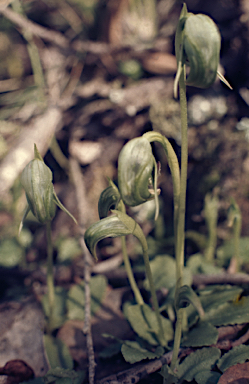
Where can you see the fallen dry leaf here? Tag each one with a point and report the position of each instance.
(237, 374)
(16, 371)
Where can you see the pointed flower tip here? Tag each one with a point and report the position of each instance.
(37, 153)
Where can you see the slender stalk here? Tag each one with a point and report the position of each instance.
(50, 276)
(237, 233)
(181, 213)
(132, 281)
(211, 216)
(174, 170)
(153, 296)
(130, 274)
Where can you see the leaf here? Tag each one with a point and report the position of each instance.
(57, 353)
(37, 380)
(207, 377)
(63, 376)
(76, 297)
(133, 352)
(11, 253)
(226, 252)
(211, 299)
(111, 350)
(203, 334)
(163, 269)
(198, 264)
(68, 248)
(59, 309)
(238, 373)
(168, 375)
(144, 322)
(230, 313)
(238, 354)
(197, 362)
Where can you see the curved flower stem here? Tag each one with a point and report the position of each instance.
(181, 213)
(130, 275)
(174, 169)
(50, 276)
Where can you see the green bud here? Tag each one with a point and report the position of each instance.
(36, 180)
(197, 44)
(135, 171)
(201, 46)
(185, 296)
(109, 198)
(118, 224)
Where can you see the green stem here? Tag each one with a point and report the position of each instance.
(211, 216)
(50, 276)
(127, 264)
(130, 274)
(237, 233)
(153, 296)
(181, 213)
(173, 166)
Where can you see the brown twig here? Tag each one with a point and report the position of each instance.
(221, 278)
(134, 374)
(35, 29)
(98, 48)
(88, 262)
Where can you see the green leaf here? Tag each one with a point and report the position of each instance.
(76, 297)
(163, 269)
(11, 253)
(133, 352)
(230, 313)
(198, 264)
(168, 375)
(203, 334)
(63, 376)
(226, 252)
(144, 322)
(68, 248)
(57, 352)
(111, 350)
(237, 355)
(185, 295)
(211, 299)
(197, 362)
(207, 377)
(59, 309)
(37, 380)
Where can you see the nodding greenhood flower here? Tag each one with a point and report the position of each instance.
(116, 225)
(109, 198)
(136, 171)
(36, 180)
(198, 44)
